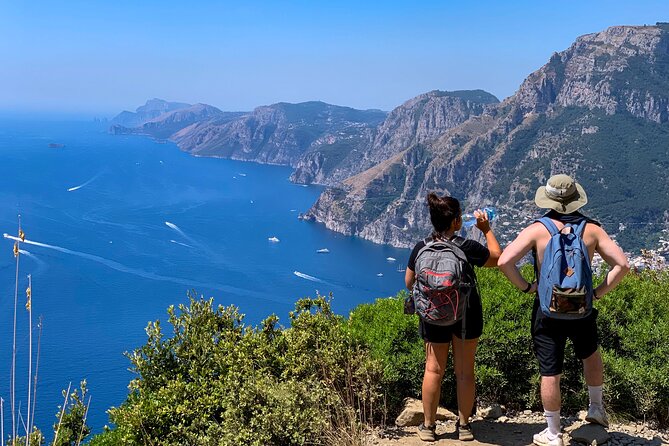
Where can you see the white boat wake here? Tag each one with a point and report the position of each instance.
(192, 243)
(33, 257)
(176, 228)
(308, 277)
(182, 244)
(145, 274)
(72, 189)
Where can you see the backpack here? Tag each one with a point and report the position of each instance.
(442, 288)
(565, 283)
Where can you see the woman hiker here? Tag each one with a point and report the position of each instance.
(446, 217)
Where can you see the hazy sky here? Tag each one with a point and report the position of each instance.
(103, 56)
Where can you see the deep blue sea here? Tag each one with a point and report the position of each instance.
(125, 226)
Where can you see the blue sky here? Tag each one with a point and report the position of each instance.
(98, 57)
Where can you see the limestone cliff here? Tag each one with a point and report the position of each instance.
(151, 110)
(598, 111)
(277, 134)
(418, 120)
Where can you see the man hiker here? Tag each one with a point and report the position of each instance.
(563, 306)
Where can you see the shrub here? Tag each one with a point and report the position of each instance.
(392, 339)
(216, 381)
(634, 331)
(634, 335)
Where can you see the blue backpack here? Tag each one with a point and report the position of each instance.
(565, 284)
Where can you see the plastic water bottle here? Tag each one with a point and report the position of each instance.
(469, 220)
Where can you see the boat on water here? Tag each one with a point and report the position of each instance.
(391, 259)
(400, 269)
(323, 251)
(273, 239)
(379, 275)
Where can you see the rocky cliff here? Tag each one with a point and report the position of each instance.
(325, 143)
(597, 111)
(417, 120)
(278, 134)
(167, 124)
(151, 110)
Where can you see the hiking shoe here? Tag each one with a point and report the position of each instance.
(597, 415)
(465, 432)
(427, 433)
(545, 438)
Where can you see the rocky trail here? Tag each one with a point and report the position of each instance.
(492, 427)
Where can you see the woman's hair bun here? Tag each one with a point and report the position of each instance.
(443, 211)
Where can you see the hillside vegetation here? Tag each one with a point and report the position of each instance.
(209, 379)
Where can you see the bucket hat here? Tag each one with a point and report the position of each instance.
(561, 193)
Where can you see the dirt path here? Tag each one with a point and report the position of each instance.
(516, 431)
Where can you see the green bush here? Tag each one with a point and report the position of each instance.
(634, 331)
(215, 381)
(634, 335)
(392, 339)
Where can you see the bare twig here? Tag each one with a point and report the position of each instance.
(62, 412)
(83, 425)
(2, 422)
(39, 342)
(30, 352)
(16, 299)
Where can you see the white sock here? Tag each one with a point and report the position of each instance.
(553, 420)
(595, 395)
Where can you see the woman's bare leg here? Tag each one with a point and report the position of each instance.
(463, 362)
(435, 365)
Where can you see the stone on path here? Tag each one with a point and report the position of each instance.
(492, 412)
(590, 433)
(412, 415)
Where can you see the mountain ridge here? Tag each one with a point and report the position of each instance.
(598, 110)
(562, 119)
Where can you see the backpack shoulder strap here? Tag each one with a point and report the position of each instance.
(455, 243)
(458, 241)
(548, 224)
(580, 228)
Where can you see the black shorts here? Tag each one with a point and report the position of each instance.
(549, 338)
(443, 334)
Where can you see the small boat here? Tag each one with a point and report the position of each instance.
(323, 251)
(379, 275)
(391, 259)
(273, 239)
(401, 270)
(242, 174)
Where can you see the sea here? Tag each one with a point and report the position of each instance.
(118, 228)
